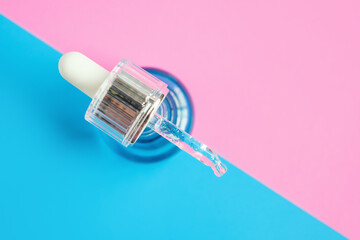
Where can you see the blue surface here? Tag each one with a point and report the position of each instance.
(60, 180)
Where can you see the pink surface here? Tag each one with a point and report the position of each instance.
(280, 80)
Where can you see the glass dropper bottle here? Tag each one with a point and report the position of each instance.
(125, 102)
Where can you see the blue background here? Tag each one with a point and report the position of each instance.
(60, 180)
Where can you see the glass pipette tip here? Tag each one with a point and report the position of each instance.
(187, 143)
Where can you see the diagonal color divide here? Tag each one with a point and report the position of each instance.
(283, 77)
(60, 180)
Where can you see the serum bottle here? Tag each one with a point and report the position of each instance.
(129, 100)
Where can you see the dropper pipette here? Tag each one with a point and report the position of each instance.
(125, 102)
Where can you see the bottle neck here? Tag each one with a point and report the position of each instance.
(177, 107)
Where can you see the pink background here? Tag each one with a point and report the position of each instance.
(275, 83)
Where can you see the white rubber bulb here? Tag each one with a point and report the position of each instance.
(82, 72)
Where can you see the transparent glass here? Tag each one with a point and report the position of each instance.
(187, 143)
(125, 102)
(177, 107)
